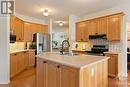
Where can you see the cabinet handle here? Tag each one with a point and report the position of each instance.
(15, 54)
(96, 33)
(58, 66)
(44, 61)
(24, 52)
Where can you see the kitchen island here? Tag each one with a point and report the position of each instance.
(55, 70)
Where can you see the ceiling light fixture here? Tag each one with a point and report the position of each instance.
(46, 12)
(61, 23)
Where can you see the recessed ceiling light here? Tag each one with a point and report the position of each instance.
(46, 12)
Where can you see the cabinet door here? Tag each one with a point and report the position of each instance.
(51, 74)
(26, 60)
(13, 65)
(17, 27)
(28, 37)
(68, 77)
(20, 62)
(31, 58)
(41, 73)
(92, 27)
(81, 31)
(46, 73)
(114, 28)
(102, 25)
(112, 65)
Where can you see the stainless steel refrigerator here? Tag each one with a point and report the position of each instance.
(42, 42)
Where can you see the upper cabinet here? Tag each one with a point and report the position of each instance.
(102, 25)
(32, 28)
(109, 25)
(17, 26)
(114, 27)
(24, 30)
(81, 31)
(92, 27)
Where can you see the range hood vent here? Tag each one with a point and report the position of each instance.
(98, 36)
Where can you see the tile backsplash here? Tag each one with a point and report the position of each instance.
(112, 46)
(17, 46)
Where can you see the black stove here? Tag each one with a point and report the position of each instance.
(98, 50)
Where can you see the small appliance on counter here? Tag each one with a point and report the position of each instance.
(98, 50)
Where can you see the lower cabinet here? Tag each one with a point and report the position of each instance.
(113, 65)
(20, 61)
(50, 74)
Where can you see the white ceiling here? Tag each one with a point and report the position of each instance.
(61, 9)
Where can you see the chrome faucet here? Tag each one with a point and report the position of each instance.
(64, 47)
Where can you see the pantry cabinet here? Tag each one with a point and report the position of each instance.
(81, 31)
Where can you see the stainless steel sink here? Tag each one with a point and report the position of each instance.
(70, 54)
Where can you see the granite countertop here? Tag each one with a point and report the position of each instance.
(17, 51)
(79, 61)
(112, 52)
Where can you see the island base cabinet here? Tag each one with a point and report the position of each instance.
(50, 74)
(95, 75)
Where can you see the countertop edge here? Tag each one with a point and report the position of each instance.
(82, 67)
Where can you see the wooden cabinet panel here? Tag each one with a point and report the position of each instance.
(51, 74)
(21, 61)
(31, 58)
(13, 65)
(113, 65)
(28, 37)
(92, 27)
(41, 73)
(68, 76)
(26, 59)
(94, 76)
(81, 31)
(102, 25)
(17, 26)
(114, 27)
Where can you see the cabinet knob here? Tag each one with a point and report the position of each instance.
(44, 61)
(15, 54)
(58, 66)
(96, 33)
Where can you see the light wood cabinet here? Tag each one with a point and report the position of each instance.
(50, 74)
(24, 30)
(17, 26)
(114, 27)
(81, 31)
(109, 25)
(92, 27)
(113, 65)
(13, 65)
(31, 58)
(102, 25)
(32, 28)
(20, 61)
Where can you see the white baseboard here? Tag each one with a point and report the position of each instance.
(4, 83)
